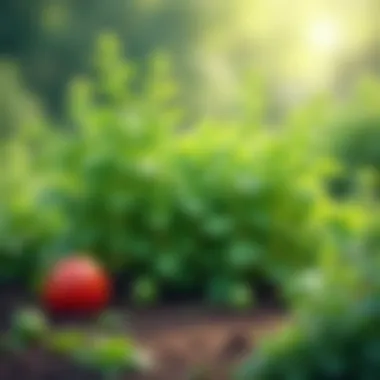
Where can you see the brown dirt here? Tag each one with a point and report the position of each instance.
(183, 340)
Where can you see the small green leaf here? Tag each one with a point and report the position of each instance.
(144, 291)
(29, 326)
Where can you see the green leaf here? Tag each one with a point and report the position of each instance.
(244, 255)
(144, 291)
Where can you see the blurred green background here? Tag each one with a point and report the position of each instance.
(192, 146)
(299, 48)
(206, 148)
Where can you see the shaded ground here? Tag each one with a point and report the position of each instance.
(182, 339)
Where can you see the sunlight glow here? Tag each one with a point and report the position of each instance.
(324, 35)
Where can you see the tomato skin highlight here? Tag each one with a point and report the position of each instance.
(77, 284)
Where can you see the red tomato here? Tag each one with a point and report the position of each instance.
(77, 284)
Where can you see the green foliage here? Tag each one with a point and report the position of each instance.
(65, 342)
(220, 203)
(215, 208)
(144, 291)
(28, 218)
(15, 98)
(356, 132)
(103, 350)
(110, 355)
(28, 327)
(334, 333)
(334, 329)
(359, 145)
(230, 293)
(333, 348)
(53, 40)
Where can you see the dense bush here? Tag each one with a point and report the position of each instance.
(26, 224)
(342, 346)
(355, 135)
(215, 208)
(334, 332)
(358, 146)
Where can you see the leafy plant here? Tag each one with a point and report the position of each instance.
(29, 219)
(354, 132)
(223, 202)
(103, 350)
(110, 355)
(66, 341)
(29, 328)
(220, 202)
(335, 332)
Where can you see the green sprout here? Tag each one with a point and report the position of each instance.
(28, 327)
(111, 356)
(66, 341)
(105, 351)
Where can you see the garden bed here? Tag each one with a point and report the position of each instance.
(182, 340)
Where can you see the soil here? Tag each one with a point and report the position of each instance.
(182, 339)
